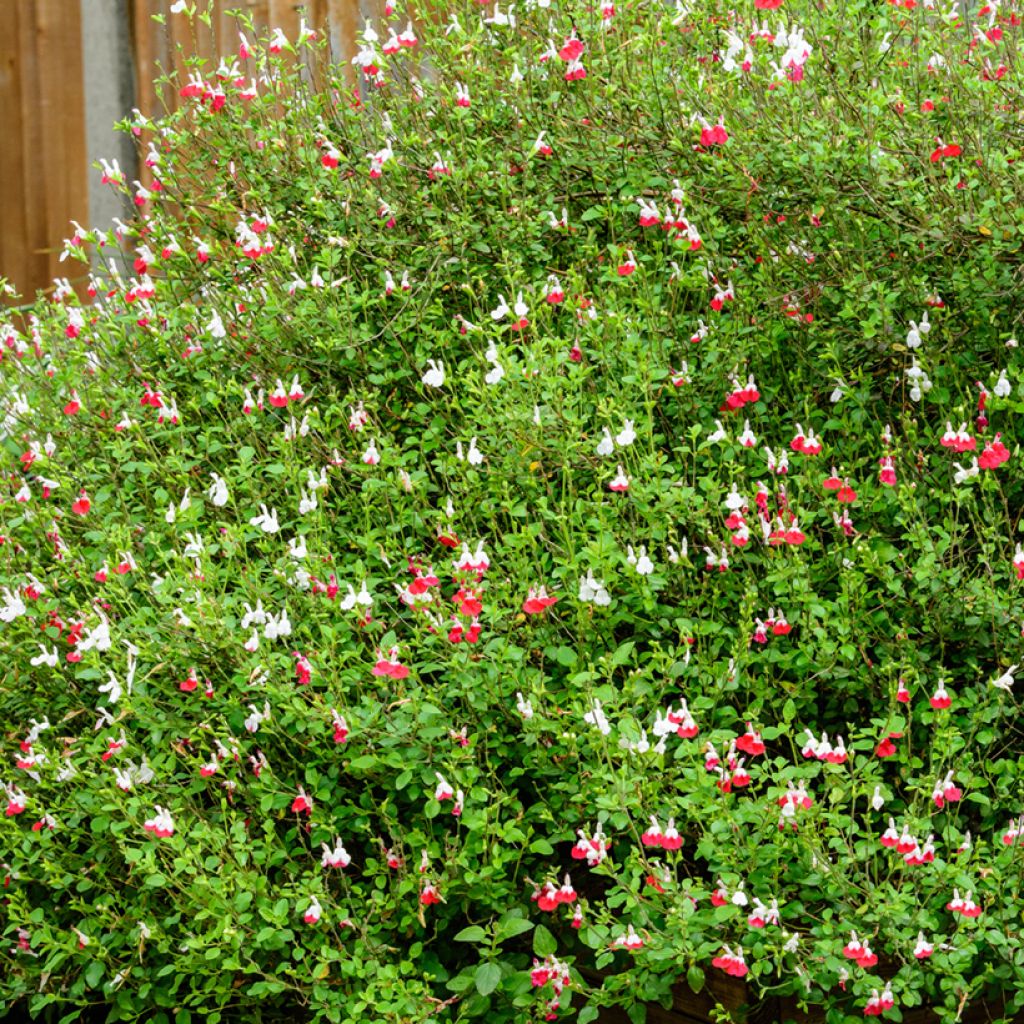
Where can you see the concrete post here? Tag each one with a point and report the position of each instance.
(109, 96)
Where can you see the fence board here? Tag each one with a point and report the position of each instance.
(43, 183)
(61, 124)
(44, 165)
(16, 260)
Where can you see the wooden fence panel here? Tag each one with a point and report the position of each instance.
(43, 166)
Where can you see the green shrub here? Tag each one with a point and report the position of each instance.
(211, 575)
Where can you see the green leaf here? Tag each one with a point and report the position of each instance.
(624, 653)
(94, 974)
(474, 933)
(637, 1013)
(587, 1014)
(509, 927)
(487, 977)
(544, 943)
(565, 656)
(695, 978)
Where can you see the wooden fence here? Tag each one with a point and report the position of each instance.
(45, 162)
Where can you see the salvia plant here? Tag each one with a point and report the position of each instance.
(529, 520)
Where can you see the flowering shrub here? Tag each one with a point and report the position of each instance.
(538, 525)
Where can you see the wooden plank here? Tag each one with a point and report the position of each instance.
(284, 14)
(14, 234)
(143, 49)
(183, 42)
(33, 195)
(344, 25)
(61, 116)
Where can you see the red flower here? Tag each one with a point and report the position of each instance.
(750, 742)
(943, 151)
(538, 601)
(390, 666)
(887, 748)
(571, 49)
(82, 506)
(430, 894)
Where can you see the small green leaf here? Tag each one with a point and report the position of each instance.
(509, 927)
(474, 933)
(94, 974)
(624, 653)
(543, 941)
(487, 977)
(695, 978)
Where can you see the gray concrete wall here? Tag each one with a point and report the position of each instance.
(109, 96)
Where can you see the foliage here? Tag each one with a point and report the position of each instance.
(265, 628)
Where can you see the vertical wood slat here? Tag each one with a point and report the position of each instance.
(43, 162)
(62, 151)
(43, 182)
(14, 262)
(34, 198)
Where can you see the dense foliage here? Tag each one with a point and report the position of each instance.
(529, 527)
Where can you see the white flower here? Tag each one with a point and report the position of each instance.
(877, 800)
(42, 658)
(593, 590)
(434, 377)
(336, 858)
(643, 565)
(112, 688)
(257, 718)
(257, 615)
(1006, 680)
(194, 548)
(97, 638)
(216, 326)
(266, 520)
(1002, 386)
(307, 503)
(627, 435)
(963, 475)
(596, 718)
(524, 707)
(473, 456)
(606, 446)
(218, 491)
(916, 330)
(718, 434)
(371, 456)
(13, 606)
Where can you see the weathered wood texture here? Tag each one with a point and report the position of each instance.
(44, 165)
